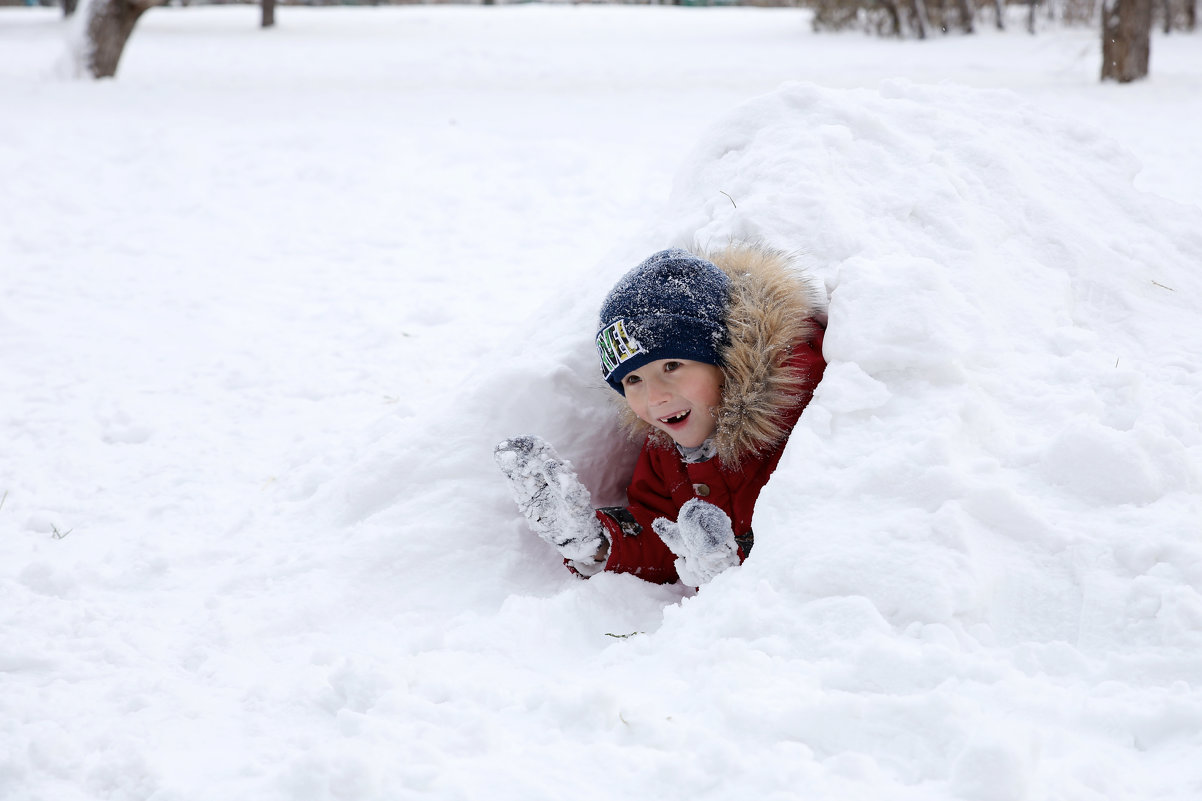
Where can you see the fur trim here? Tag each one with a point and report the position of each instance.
(772, 306)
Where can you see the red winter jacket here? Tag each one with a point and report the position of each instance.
(775, 322)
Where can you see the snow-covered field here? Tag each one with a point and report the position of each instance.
(268, 299)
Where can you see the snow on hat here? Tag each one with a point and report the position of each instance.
(672, 306)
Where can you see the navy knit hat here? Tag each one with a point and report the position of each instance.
(672, 306)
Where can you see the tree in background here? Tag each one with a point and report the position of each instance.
(1179, 15)
(109, 24)
(1126, 39)
(108, 28)
(903, 18)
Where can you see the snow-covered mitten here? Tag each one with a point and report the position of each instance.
(702, 539)
(549, 494)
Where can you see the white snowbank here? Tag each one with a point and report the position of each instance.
(989, 515)
(992, 500)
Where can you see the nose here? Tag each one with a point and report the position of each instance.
(657, 391)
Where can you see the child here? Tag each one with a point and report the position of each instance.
(715, 358)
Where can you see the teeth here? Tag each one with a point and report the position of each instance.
(673, 418)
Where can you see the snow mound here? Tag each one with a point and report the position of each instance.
(978, 570)
(986, 526)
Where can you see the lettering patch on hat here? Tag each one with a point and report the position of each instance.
(616, 346)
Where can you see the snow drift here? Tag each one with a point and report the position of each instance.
(977, 571)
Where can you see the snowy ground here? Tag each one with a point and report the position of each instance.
(268, 299)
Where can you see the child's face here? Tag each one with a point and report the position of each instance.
(677, 396)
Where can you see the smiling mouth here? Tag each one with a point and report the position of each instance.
(673, 419)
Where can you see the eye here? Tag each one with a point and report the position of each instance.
(630, 380)
(670, 366)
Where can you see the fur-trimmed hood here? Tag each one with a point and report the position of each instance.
(772, 305)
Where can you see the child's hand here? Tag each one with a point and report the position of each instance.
(549, 494)
(703, 540)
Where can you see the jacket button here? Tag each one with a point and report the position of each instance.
(701, 490)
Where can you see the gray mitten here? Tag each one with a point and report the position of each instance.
(702, 539)
(549, 494)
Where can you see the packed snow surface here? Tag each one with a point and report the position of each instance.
(268, 300)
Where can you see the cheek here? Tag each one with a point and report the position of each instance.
(637, 404)
(707, 394)
(713, 389)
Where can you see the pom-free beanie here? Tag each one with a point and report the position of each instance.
(672, 306)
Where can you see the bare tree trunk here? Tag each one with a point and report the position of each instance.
(966, 22)
(69, 7)
(1191, 14)
(894, 16)
(1031, 17)
(920, 15)
(268, 14)
(109, 26)
(999, 8)
(1167, 7)
(937, 14)
(1126, 39)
